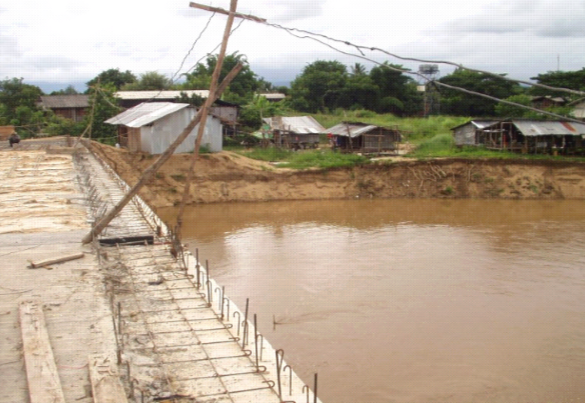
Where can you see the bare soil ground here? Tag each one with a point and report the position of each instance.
(229, 177)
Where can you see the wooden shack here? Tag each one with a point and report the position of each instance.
(467, 133)
(364, 137)
(295, 132)
(72, 107)
(534, 136)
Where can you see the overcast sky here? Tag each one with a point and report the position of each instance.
(70, 41)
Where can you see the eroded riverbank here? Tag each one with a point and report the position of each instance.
(229, 177)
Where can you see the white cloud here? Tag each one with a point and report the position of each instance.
(68, 40)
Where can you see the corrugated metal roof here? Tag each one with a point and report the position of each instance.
(145, 113)
(297, 124)
(351, 129)
(478, 123)
(549, 128)
(129, 95)
(65, 101)
(275, 96)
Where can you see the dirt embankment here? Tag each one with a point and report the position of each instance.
(227, 177)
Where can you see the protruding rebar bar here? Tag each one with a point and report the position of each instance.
(245, 338)
(315, 390)
(279, 359)
(198, 267)
(256, 339)
(290, 378)
(239, 318)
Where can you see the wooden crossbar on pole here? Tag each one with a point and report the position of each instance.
(226, 12)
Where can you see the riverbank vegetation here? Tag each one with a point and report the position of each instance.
(332, 92)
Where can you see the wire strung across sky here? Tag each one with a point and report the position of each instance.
(361, 48)
(438, 83)
(304, 34)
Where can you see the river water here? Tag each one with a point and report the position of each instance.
(410, 300)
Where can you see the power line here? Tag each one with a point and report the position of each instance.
(361, 48)
(438, 83)
(192, 47)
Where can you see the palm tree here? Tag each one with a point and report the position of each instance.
(358, 69)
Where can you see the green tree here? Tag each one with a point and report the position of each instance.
(70, 90)
(60, 126)
(19, 106)
(396, 93)
(241, 90)
(113, 77)
(252, 114)
(360, 92)
(358, 69)
(319, 87)
(264, 86)
(510, 111)
(454, 102)
(194, 99)
(573, 80)
(149, 81)
(103, 104)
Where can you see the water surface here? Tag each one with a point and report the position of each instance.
(410, 300)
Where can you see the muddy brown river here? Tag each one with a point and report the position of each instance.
(410, 300)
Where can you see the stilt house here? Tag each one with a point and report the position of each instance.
(534, 136)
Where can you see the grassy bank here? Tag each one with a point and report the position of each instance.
(305, 159)
(430, 137)
(414, 129)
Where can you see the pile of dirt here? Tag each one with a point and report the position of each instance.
(229, 177)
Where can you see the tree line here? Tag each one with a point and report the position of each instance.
(322, 86)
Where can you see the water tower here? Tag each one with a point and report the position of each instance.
(428, 73)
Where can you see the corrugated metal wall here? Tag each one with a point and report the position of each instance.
(159, 136)
(465, 136)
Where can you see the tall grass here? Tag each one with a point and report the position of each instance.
(323, 159)
(305, 159)
(414, 130)
(436, 146)
(269, 154)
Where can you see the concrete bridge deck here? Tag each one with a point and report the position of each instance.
(134, 297)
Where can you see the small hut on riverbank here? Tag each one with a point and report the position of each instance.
(467, 133)
(364, 137)
(296, 132)
(534, 136)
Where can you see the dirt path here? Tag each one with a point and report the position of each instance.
(229, 177)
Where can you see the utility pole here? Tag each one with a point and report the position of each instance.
(205, 111)
(214, 93)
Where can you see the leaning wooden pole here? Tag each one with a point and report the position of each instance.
(150, 171)
(205, 111)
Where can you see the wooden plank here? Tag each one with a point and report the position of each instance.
(44, 385)
(105, 382)
(51, 261)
